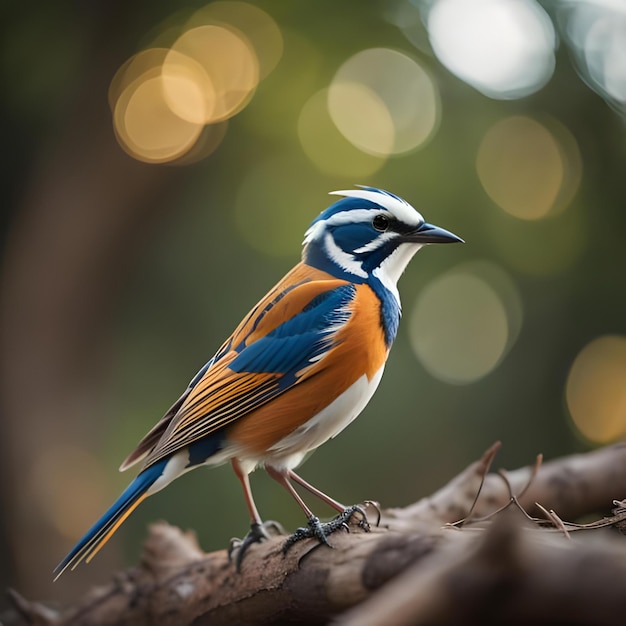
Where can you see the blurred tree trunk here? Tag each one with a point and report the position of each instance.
(85, 209)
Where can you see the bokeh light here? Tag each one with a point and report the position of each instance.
(145, 63)
(210, 138)
(464, 322)
(187, 89)
(526, 170)
(506, 289)
(406, 15)
(163, 98)
(596, 389)
(327, 148)
(259, 29)
(229, 63)
(362, 117)
(503, 48)
(596, 33)
(146, 127)
(384, 102)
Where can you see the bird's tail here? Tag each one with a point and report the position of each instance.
(104, 528)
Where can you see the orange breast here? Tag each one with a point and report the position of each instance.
(360, 350)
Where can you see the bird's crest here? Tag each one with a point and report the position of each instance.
(357, 205)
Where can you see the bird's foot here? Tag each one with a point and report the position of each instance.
(315, 528)
(376, 506)
(256, 534)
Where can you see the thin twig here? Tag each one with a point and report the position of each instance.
(513, 499)
(486, 463)
(554, 518)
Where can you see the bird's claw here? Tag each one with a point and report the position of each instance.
(350, 512)
(376, 506)
(315, 529)
(256, 534)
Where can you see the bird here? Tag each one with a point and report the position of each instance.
(298, 369)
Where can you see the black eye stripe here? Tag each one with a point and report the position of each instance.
(381, 223)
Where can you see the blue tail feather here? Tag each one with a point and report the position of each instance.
(97, 534)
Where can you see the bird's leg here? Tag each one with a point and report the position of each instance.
(316, 492)
(314, 527)
(258, 529)
(344, 511)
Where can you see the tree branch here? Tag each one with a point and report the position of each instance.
(414, 568)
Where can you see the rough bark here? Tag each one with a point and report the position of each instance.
(421, 565)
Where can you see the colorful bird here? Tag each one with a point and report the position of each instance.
(296, 371)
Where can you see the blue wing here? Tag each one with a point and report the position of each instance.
(265, 364)
(301, 340)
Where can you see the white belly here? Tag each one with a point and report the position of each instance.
(291, 450)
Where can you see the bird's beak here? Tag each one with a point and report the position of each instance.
(429, 233)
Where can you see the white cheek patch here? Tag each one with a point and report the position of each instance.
(377, 242)
(344, 260)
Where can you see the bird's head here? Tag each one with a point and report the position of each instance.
(369, 234)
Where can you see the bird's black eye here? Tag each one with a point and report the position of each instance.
(381, 223)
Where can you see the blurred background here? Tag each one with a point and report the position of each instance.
(161, 162)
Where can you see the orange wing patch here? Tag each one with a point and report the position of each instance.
(220, 397)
